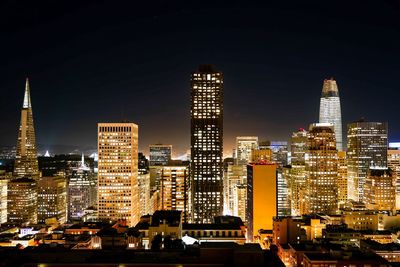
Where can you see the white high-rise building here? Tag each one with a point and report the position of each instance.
(330, 111)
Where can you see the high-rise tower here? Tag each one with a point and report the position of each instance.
(321, 169)
(207, 143)
(367, 146)
(26, 163)
(118, 194)
(330, 111)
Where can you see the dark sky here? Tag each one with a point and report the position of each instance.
(103, 61)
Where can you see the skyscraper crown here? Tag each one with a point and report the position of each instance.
(27, 96)
(330, 88)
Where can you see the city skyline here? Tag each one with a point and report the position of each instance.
(69, 90)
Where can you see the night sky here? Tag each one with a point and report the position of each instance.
(101, 61)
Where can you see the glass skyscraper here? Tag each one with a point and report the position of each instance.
(367, 146)
(207, 143)
(330, 111)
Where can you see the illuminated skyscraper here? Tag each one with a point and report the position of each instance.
(22, 201)
(174, 188)
(234, 176)
(295, 174)
(244, 146)
(207, 143)
(160, 154)
(380, 189)
(26, 163)
(298, 146)
(118, 194)
(82, 190)
(366, 146)
(330, 111)
(321, 169)
(52, 199)
(261, 197)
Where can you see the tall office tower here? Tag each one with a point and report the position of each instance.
(244, 146)
(3, 201)
(394, 164)
(82, 190)
(261, 197)
(321, 169)
(234, 176)
(380, 189)
(26, 163)
(342, 177)
(144, 193)
(295, 174)
(118, 194)
(206, 143)
(330, 111)
(298, 146)
(22, 201)
(160, 154)
(174, 188)
(52, 199)
(366, 146)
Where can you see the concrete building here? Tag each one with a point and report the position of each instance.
(342, 177)
(380, 189)
(52, 199)
(3, 201)
(174, 188)
(244, 146)
(321, 170)
(261, 197)
(22, 201)
(118, 194)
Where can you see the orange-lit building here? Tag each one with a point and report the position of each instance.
(261, 154)
(118, 194)
(261, 197)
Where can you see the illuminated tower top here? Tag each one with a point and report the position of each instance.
(26, 163)
(330, 110)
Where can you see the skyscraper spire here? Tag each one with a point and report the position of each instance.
(330, 111)
(26, 163)
(27, 96)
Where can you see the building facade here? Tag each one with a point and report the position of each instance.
(261, 197)
(330, 110)
(244, 147)
(207, 143)
(118, 196)
(342, 177)
(366, 146)
(174, 189)
(160, 154)
(52, 199)
(26, 163)
(380, 189)
(82, 190)
(321, 169)
(22, 201)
